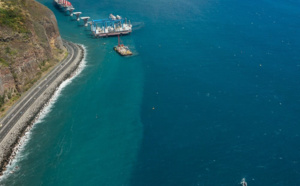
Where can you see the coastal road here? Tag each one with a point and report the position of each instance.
(37, 90)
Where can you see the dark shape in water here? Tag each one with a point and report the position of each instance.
(243, 182)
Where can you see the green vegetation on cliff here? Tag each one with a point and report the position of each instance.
(3, 63)
(14, 18)
(30, 45)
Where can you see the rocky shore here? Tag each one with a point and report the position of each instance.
(9, 144)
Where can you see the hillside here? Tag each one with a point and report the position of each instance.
(30, 44)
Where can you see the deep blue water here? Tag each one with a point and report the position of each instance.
(211, 96)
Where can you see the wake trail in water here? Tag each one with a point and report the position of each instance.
(137, 26)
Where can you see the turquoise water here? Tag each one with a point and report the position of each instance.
(211, 96)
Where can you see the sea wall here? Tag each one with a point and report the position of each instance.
(30, 44)
(28, 118)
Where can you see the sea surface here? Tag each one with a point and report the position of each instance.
(211, 95)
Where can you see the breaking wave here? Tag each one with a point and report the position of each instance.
(18, 152)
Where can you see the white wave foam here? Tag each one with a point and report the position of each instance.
(18, 152)
(58, 91)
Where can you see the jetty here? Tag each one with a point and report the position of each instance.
(111, 26)
(70, 10)
(77, 14)
(85, 20)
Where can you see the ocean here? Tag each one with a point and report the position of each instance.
(210, 96)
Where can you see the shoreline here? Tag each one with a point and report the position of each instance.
(10, 144)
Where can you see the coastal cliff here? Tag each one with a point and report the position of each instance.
(30, 44)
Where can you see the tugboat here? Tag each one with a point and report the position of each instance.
(243, 182)
(122, 49)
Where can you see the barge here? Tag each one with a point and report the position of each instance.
(113, 26)
(122, 49)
